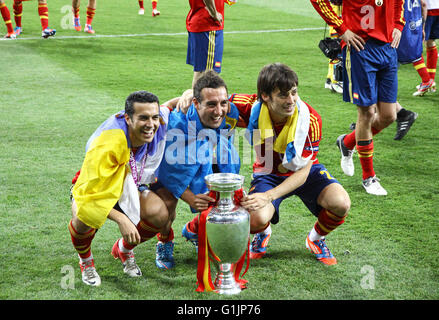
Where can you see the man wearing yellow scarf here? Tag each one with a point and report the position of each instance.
(286, 132)
(121, 158)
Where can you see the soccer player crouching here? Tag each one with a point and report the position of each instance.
(121, 158)
(285, 133)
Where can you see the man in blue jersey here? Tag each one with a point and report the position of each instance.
(199, 142)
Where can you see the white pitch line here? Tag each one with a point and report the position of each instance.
(159, 34)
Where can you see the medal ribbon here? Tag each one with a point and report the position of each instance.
(136, 175)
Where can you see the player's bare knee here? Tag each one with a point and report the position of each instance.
(156, 213)
(340, 204)
(80, 226)
(257, 221)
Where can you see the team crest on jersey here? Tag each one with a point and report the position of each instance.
(379, 3)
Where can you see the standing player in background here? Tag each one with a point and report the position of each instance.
(7, 18)
(91, 10)
(371, 31)
(155, 12)
(411, 45)
(431, 34)
(43, 12)
(205, 25)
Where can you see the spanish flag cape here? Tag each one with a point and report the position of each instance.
(190, 150)
(106, 164)
(205, 253)
(291, 140)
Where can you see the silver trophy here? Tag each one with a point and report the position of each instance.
(227, 229)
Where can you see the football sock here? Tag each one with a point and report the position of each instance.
(90, 257)
(141, 4)
(350, 141)
(124, 246)
(365, 154)
(193, 224)
(82, 241)
(326, 222)
(90, 15)
(18, 12)
(43, 11)
(432, 61)
(6, 17)
(421, 68)
(314, 236)
(166, 238)
(146, 230)
(75, 12)
(154, 4)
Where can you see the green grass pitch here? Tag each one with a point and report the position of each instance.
(55, 92)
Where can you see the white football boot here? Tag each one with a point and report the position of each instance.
(373, 186)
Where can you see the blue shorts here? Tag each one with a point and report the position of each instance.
(205, 50)
(370, 75)
(317, 180)
(432, 28)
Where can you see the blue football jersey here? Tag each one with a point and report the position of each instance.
(410, 47)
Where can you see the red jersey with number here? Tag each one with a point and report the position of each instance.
(199, 19)
(367, 18)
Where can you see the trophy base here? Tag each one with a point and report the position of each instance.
(225, 284)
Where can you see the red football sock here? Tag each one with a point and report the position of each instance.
(90, 15)
(43, 11)
(75, 12)
(167, 238)
(432, 61)
(146, 230)
(193, 225)
(327, 222)
(18, 13)
(141, 4)
(365, 154)
(154, 5)
(82, 241)
(422, 69)
(349, 140)
(7, 17)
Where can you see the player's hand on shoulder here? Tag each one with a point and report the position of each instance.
(185, 101)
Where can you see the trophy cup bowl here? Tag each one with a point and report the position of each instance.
(227, 229)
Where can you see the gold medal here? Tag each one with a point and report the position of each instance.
(379, 3)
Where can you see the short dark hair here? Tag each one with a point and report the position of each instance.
(139, 96)
(209, 79)
(276, 75)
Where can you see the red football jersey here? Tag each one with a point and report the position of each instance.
(199, 19)
(244, 104)
(367, 18)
